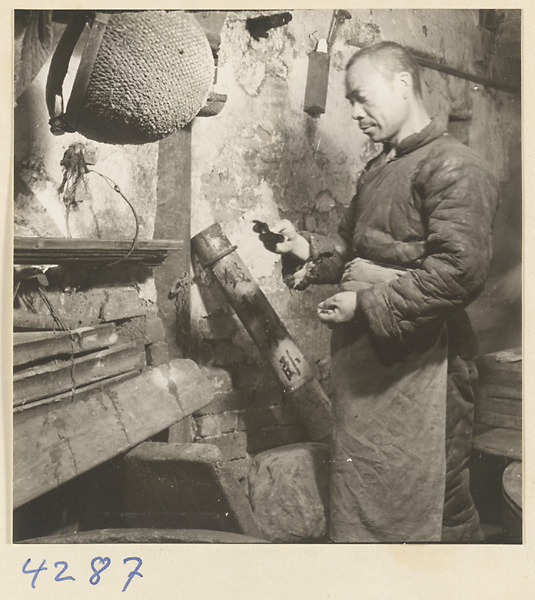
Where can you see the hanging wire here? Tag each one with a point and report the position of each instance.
(116, 189)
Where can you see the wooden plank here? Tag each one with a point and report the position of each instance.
(500, 405)
(74, 244)
(28, 250)
(49, 380)
(501, 374)
(33, 346)
(78, 393)
(54, 443)
(499, 442)
(493, 390)
(496, 419)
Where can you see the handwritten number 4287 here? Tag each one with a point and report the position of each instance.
(98, 566)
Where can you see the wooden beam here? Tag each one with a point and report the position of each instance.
(30, 250)
(30, 347)
(54, 443)
(172, 279)
(173, 218)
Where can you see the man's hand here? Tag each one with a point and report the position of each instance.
(338, 309)
(293, 243)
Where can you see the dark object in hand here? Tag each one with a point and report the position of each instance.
(269, 238)
(259, 26)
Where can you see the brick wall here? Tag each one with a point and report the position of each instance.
(249, 412)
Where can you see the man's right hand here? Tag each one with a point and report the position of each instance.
(293, 244)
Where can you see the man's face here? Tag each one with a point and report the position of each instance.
(379, 101)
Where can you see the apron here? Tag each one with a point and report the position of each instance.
(388, 445)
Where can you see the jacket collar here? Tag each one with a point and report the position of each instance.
(416, 140)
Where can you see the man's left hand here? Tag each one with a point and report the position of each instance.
(338, 309)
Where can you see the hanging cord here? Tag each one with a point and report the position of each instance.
(58, 321)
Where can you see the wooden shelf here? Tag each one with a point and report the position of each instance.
(61, 251)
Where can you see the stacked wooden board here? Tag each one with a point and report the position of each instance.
(52, 366)
(82, 397)
(55, 442)
(499, 395)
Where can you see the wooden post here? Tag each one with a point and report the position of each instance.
(173, 217)
(266, 329)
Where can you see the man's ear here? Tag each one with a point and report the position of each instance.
(404, 79)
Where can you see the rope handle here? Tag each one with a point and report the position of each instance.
(62, 121)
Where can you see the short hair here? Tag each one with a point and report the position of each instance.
(391, 58)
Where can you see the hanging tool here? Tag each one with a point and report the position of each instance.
(266, 330)
(318, 68)
(339, 17)
(258, 27)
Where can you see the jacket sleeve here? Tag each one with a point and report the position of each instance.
(328, 255)
(459, 198)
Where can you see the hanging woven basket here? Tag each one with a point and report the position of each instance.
(142, 76)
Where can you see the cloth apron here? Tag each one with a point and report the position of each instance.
(388, 445)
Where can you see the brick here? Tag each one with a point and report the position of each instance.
(221, 379)
(232, 445)
(268, 417)
(181, 432)
(146, 328)
(210, 425)
(267, 397)
(216, 326)
(273, 437)
(225, 401)
(227, 355)
(122, 305)
(254, 378)
(240, 467)
(157, 354)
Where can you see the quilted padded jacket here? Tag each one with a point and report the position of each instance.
(429, 210)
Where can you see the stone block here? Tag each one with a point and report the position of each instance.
(289, 492)
(227, 422)
(232, 445)
(148, 329)
(225, 401)
(220, 379)
(273, 437)
(157, 354)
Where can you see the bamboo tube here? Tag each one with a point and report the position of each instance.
(266, 329)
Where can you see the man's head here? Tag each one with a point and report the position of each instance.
(383, 85)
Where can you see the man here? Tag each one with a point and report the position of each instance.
(412, 251)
